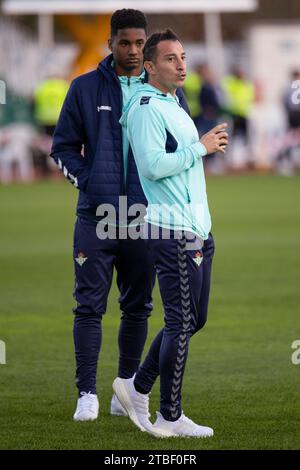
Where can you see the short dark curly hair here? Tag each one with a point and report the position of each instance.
(127, 18)
(154, 39)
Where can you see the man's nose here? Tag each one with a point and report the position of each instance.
(133, 50)
(181, 64)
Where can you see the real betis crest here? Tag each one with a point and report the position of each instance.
(198, 258)
(81, 258)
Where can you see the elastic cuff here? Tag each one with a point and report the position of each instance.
(201, 150)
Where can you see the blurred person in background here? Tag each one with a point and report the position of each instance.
(211, 99)
(288, 159)
(49, 96)
(16, 162)
(93, 152)
(239, 98)
(292, 101)
(17, 135)
(48, 99)
(192, 88)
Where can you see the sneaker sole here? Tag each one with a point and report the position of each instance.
(85, 419)
(118, 413)
(161, 434)
(124, 399)
(164, 434)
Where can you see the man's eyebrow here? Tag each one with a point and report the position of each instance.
(174, 55)
(127, 40)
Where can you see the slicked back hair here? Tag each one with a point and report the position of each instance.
(150, 48)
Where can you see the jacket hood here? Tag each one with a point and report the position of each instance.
(145, 90)
(105, 67)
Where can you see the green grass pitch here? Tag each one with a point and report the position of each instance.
(239, 378)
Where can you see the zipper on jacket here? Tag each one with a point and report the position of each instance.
(177, 101)
(122, 183)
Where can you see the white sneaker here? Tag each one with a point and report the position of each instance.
(136, 404)
(116, 409)
(183, 427)
(87, 407)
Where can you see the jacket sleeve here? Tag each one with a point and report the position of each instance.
(147, 136)
(68, 141)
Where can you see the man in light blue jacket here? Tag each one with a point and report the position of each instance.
(168, 154)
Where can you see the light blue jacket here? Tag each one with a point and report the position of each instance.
(168, 155)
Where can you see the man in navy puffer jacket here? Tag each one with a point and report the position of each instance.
(94, 154)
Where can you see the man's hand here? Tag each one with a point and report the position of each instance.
(216, 139)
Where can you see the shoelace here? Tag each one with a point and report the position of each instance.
(189, 425)
(185, 419)
(143, 403)
(88, 402)
(143, 400)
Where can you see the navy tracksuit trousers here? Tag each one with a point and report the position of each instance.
(184, 273)
(94, 261)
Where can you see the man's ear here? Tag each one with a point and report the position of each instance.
(149, 66)
(109, 43)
